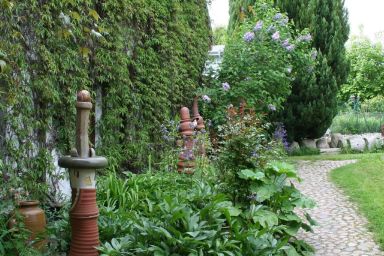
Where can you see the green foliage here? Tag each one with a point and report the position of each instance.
(314, 102)
(220, 35)
(260, 61)
(367, 69)
(357, 122)
(375, 104)
(260, 186)
(144, 56)
(165, 214)
(303, 151)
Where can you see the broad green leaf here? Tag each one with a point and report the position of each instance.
(267, 219)
(283, 168)
(264, 192)
(248, 174)
(233, 211)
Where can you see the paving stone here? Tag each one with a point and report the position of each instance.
(341, 230)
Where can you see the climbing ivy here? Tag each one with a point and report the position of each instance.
(144, 56)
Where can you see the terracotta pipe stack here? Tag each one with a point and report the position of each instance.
(186, 162)
(82, 164)
(200, 126)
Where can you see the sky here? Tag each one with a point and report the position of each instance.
(366, 13)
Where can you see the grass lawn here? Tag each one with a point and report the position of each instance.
(364, 183)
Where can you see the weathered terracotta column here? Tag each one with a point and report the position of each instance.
(200, 126)
(186, 162)
(82, 164)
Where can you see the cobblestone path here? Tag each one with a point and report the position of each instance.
(341, 230)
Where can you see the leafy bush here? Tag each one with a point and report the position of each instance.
(260, 186)
(367, 69)
(261, 59)
(375, 104)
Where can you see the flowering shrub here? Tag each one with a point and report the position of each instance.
(260, 62)
(260, 185)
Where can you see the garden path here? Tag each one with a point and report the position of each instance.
(341, 229)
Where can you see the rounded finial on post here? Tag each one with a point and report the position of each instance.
(83, 96)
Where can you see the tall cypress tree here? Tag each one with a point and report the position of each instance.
(311, 113)
(312, 105)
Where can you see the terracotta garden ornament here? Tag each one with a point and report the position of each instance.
(82, 164)
(200, 127)
(34, 220)
(186, 162)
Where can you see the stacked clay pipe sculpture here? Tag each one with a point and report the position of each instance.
(82, 165)
(186, 162)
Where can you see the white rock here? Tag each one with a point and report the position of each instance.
(335, 138)
(322, 143)
(294, 146)
(308, 143)
(357, 143)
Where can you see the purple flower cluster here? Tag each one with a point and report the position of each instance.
(280, 134)
(226, 86)
(276, 36)
(287, 45)
(278, 16)
(258, 26)
(206, 98)
(305, 38)
(249, 36)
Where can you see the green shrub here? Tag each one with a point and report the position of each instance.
(259, 186)
(376, 104)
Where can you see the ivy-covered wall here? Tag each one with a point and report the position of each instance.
(145, 57)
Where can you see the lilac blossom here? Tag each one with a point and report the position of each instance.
(226, 86)
(278, 16)
(276, 36)
(305, 38)
(285, 43)
(259, 26)
(290, 47)
(249, 36)
(206, 98)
